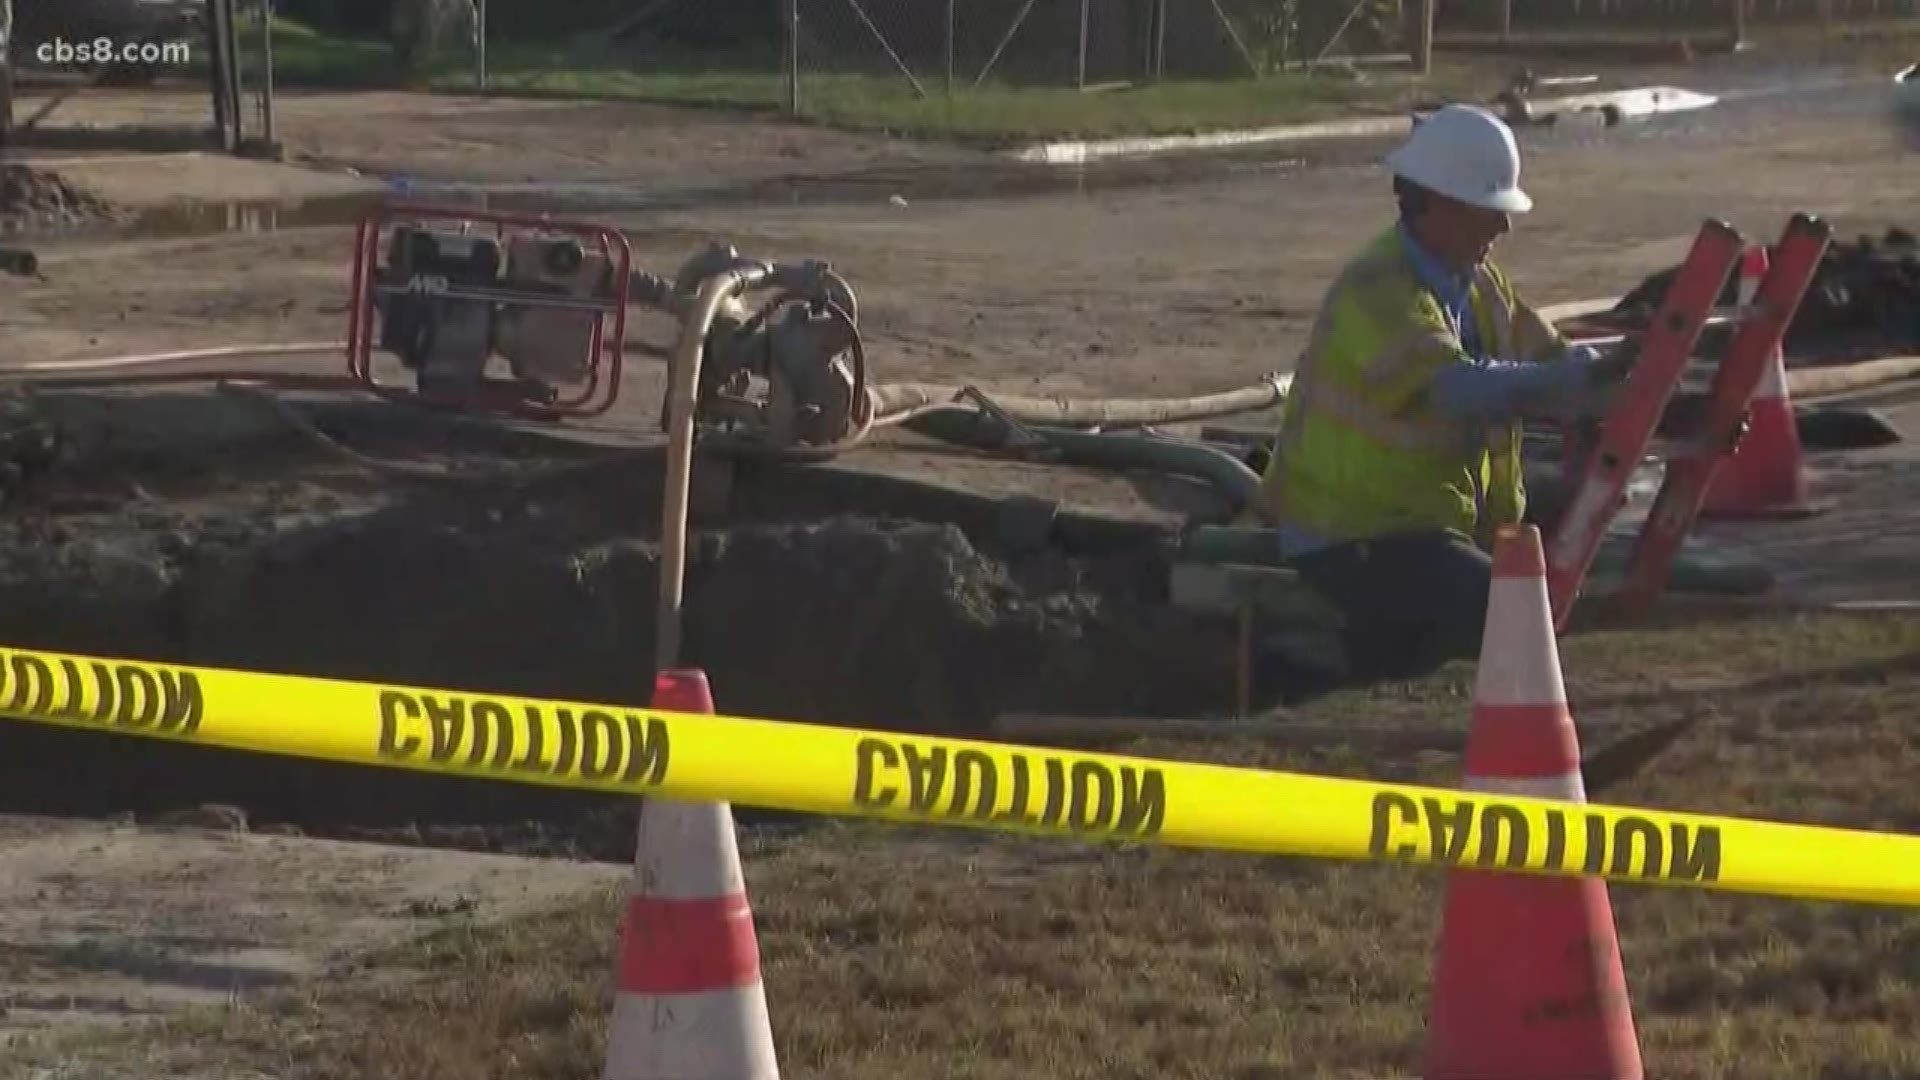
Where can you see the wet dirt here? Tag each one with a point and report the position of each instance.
(1863, 302)
(34, 200)
(992, 180)
(978, 177)
(814, 604)
(244, 216)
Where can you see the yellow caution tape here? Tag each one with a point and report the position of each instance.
(830, 770)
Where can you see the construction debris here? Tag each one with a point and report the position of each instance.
(33, 199)
(1864, 301)
(1840, 428)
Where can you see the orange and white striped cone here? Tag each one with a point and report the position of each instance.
(1765, 475)
(689, 1003)
(1529, 980)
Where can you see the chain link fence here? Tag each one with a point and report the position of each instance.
(1657, 15)
(809, 55)
(954, 46)
(76, 69)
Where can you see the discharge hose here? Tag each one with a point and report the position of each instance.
(896, 403)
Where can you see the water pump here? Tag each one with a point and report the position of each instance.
(544, 300)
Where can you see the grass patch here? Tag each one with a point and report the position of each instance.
(994, 113)
(895, 952)
(305, 57)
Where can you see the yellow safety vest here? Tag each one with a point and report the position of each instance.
(1361, 451)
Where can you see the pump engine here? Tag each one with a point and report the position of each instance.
(545, 298)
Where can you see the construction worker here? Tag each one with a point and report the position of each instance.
(1398, 453)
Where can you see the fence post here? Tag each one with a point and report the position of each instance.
(1506, 20)
(223, 69)
(6, 73)
(1423, 36)
(217, 74)
(1160, 39)
(480, 46)
(266, 72)
(1080, 66)
(1739, 24)
(950, 33)
(791, 12)
(236, 80)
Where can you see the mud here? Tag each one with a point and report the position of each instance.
(815, 604)
(35, 201)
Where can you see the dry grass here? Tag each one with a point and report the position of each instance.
(902, 953)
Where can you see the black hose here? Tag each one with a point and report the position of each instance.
(1229, 476)
(854, 491)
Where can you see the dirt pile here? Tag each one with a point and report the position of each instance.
(1864, 301)
(857, 620)
(33, 200)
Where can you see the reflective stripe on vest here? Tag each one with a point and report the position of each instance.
(1498, 313)
(1409, 350)
(1359, 379)
(1328, 400)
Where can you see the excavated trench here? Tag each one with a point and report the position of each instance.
(828, 596)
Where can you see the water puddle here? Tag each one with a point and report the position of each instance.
(246, 217)
(968, 182)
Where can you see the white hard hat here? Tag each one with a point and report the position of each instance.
(1464, 152)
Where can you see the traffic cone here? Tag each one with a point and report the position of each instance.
(1765, 475)
(1528, 980)
(689, 1003)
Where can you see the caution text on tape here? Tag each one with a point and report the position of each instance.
(843, 771)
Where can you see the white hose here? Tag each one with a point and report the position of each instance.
(139, 360)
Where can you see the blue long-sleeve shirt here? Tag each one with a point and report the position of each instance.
(1490, 388)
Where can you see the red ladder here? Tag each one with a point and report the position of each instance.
(1663, 350)
(1624, 434)
(1761, 329)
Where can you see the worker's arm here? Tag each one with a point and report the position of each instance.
(1433, 364)
(1547, 378)
(1498, 391)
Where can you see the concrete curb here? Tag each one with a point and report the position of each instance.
(1076, 152)
(1638, 102)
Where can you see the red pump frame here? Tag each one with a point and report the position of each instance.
(590, 401)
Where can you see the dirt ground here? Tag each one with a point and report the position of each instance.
(141, 919)
(1153, 279)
